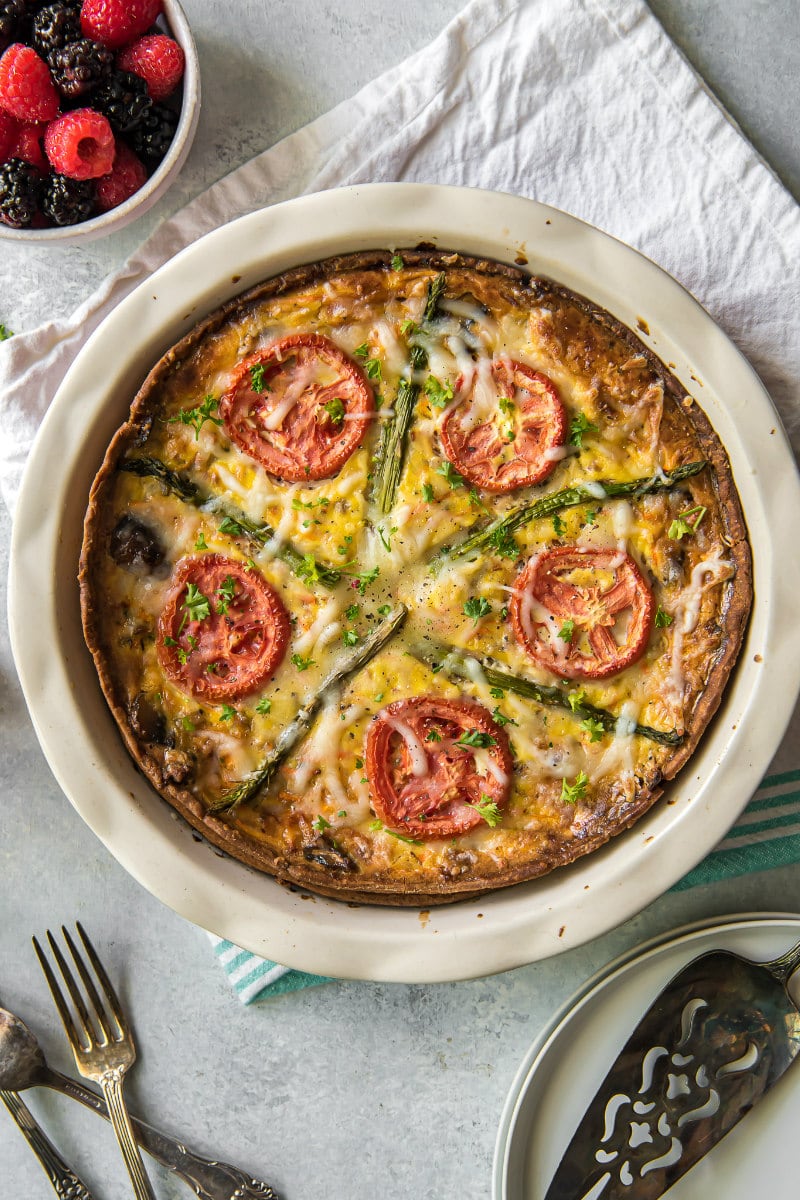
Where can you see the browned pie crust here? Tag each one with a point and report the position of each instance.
(714, 486)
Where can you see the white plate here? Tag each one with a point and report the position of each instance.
(80, 739)
(569, 1060)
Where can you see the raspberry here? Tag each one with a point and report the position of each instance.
(67, 201)
(158, 59)
(53, 27)
(28, 147)
(8, 134)
(19, 193)
(80, 144)
(80, 67)
(26, 89)
(126, 177)
(117, 22)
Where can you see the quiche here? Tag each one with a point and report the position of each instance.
(411, 576)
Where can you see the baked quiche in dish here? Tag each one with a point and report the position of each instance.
(413, 575)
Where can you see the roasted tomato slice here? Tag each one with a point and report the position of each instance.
(581, 613)
(300, 407)
(429, 759)
(223, 630)
(506, 428)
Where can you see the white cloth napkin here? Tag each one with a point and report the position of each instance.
(583, 104)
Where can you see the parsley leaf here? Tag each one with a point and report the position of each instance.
(683, 525)
(476, 738)
(5, 333)
(497, 693)
(567, 631)
(350, 637)
(197, 417)
(572, 793)
(580, 425)
(477, 607)
(501, 718)
(257, 381)
(228, 525)
(662, 618)
(594, 728)
(335, 410)
(365, 579)
(226, 592)
(196, 604)
(558, 525)
(427, 493)
(384, 610)
(440, 394)
(320, 823)
(433, 735)
(397, 263)
(351, 612)
(201, 544)
(227, 713)
(448, 472)
(504, 543)
(301, 663)
(183, 655)
(408, 327)
(576, 699)
(487, 809)
(263, 706)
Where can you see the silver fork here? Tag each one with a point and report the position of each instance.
(104, 1058)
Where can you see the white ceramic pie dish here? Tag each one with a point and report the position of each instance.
(80, 739)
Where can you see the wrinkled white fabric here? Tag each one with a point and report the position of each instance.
(583, 104)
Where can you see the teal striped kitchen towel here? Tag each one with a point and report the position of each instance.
(766, 835)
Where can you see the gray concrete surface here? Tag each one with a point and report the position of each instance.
(356, 1090)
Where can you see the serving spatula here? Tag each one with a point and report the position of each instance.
(715, 1040)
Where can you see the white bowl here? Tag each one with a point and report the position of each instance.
(164, 175)
(509, 927)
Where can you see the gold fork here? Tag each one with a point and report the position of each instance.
(104, 1058)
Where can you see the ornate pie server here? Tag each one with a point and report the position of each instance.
(713, 1043)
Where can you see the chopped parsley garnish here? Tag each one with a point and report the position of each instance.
(397, 263)
(477, 607)
(197, 417)
(497, 693)
(320, 823)
(474, 498)
(476, 738)
(558, 525)
(335, 410)
(351, 612)
(196, 604)
(507, 405)
(227, 713)
(359, 763)
(433, 735)
(257, 381)
(297, 504)
(5, 333)
(226, 592)
(576, 699)
(591, 516)
(408, 327)
(427, 493)
(378, 827)
(200, 544)
(662, 618)
(501, 718)
(362, 581)
(228, 525)
(384, 610)
(309, 569)
(302, 663)
(580, 425)
(594, 728)
(504, 543)
(567, 631)
(487, 809)
(187, 725)
(350, 637)
(683, 524)
(386, 539)
(439, 394)
(264, 705)
(448, 472)
(571, 793)
(342, 812)
(372, 366)
(183, 655)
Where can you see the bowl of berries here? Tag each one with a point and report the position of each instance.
(99, 101)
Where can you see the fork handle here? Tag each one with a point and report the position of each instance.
(111, 1083)
(66, 1183)
(208, 1180)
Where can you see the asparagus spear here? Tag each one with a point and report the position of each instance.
(233, 521)
(498, 535)
(458, 663)
(292, 733)
(394, 433)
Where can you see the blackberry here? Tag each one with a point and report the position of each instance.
(80, 67)
(153, 137)
(12, 13)
(123, 98)
(53, 27)
(20, 191)
(67, 201)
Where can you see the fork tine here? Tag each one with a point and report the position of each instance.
(75, 995)
(94, 999)
(108, 987)
(58, 999)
